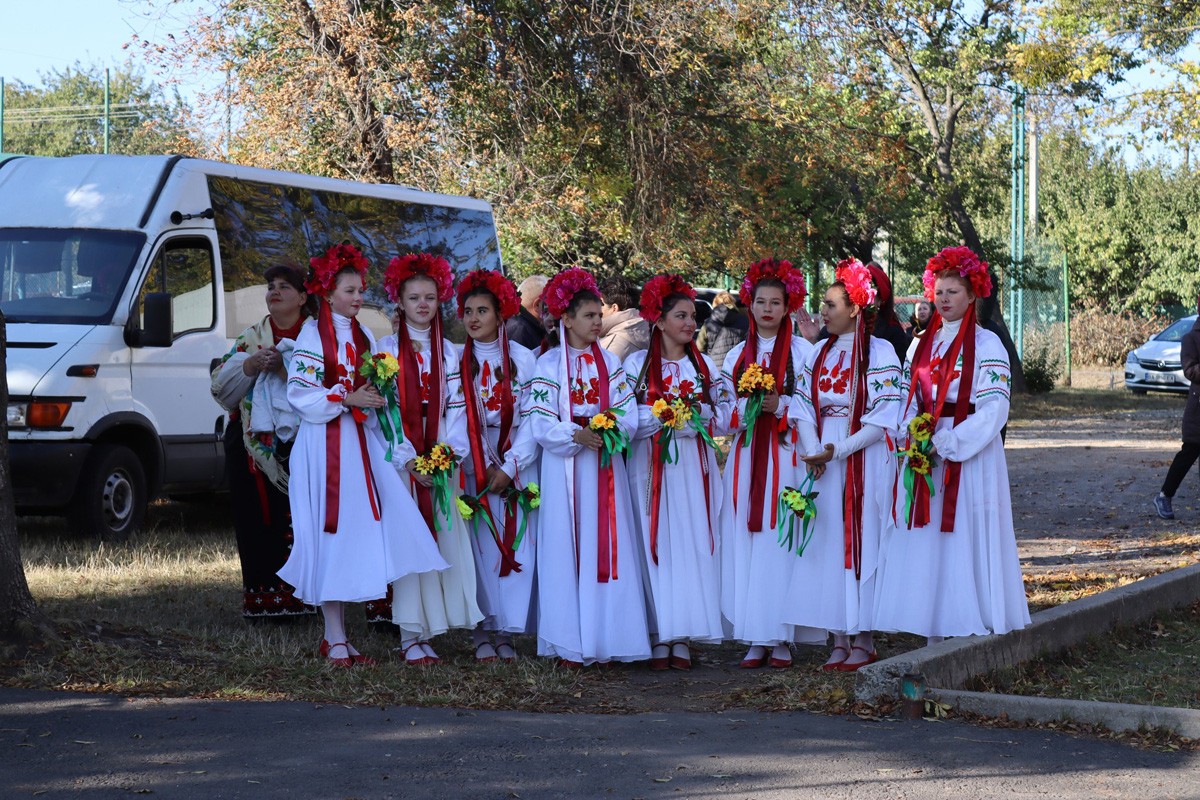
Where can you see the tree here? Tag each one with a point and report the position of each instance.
(65, 114)
(20, 619)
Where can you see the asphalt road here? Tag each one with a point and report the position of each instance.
(56, 745)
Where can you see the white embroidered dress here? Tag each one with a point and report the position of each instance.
(431, 604)
(505, 601)
(824, 592)
(755, 570)
(969, 581)
(356, 563)
(581, 618)
(685, 584)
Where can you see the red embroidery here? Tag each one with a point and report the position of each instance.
(836, 380)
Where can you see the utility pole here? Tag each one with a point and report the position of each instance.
(1016, 231)
(1033, 176)
(1, 115)
(107, 109)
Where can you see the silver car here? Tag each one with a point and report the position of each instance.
(1157, 364)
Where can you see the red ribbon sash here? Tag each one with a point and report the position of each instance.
(421, 419)
(761, 444)
(606, 534)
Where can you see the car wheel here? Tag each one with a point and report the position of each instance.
(110, 501)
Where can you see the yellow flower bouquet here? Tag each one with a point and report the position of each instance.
(381, 370)
(754, 384)
(797, 506)
(438, 464)
(614, 440)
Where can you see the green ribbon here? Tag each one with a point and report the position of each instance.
(701, 430)
(787, 517)
(614, 440)
(389, 422)
(441, 497)
(753, 410)
(524, 500)
(477, 504)
(910, 477)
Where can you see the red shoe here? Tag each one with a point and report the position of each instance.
(872, 657)
(683, 662)
(835, 664)
(324, 649)
(485, 659)
(754, 663)
(567, 663)
(348, 661)
(366, 661)
(660, 663)
(414, 662)
(507, 659)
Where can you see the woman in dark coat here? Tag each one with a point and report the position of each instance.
(1189, 353)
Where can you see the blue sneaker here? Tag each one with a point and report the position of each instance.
(1162, 504)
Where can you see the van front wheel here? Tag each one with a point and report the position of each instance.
(111, 499)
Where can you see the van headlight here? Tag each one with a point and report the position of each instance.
(16, 414)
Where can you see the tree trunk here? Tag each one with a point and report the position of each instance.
(20, 619)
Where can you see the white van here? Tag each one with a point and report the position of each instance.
(123, 279)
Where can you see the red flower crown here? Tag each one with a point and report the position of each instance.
(436, 268)
(563, 287)
(782, 271)
(964, 263)
(500, 287)
(658, 289)
(856, 277)
(323, 276)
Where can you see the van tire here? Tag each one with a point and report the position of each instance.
(110, 502)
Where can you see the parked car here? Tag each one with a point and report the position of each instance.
(1157, 364)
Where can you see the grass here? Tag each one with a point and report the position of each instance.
(1155, 664)
(1072, 402)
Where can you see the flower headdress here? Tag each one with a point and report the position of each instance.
(964, 263)
(658, 289)
(490, 280)
(782, 271)
(323, 275)
(563, 287)
(856, 277)
(436, 268)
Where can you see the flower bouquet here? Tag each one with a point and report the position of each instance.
(527, 500)
(755, 384)
(381, 370)
(438, 463)
(918, 458)
(675, 414)
(614, 440)
(797, 506)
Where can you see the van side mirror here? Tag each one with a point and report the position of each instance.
(156, 323)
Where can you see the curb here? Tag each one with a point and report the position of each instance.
(950, 664)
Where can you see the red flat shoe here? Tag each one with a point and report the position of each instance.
(324, 649)
(754, 663)
(681, 662)
(414, 662)
(661, 663)
(872, 657)
(567, 663)
(780, 663)
(348, 661)
(485, 659)
(507, 659)
(833, 665)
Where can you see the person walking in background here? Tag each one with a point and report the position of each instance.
(1189, 352)
(724, 329)
(622, 331)
(250, 383)
(526, 328)
(356, 527)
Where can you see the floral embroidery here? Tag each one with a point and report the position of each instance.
(998, 376)
(836, 380)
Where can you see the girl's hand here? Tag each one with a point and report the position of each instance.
(424, 480)
(770, 403)
(497, 480)
(819, 459)
(816, 471)
(588, 438)
(365, 396)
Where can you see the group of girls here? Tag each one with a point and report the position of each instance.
(568, 494)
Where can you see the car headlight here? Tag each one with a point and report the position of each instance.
(16, 415)
(1131, 358)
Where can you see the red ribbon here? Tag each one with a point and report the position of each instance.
(760, 445)
(922, 377)
(606, 535)
(420, 419)
(333, 428)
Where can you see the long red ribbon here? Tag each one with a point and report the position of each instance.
(606, 535)
(922, 377)
(760, 444)
(420, 419)
(333, 428)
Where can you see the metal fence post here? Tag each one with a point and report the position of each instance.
(1066, 276)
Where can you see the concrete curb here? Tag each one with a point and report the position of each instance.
(1118, 717)
(952, 663)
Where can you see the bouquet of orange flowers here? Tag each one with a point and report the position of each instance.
(438, 463)
(381, 370)
(755, 384)
(918, 458)
(614, 440)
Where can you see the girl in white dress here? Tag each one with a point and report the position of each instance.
(674, 478)
(355, 528)
(502, 460)
(849, 404)
(591, 603)
(755, 570)
(424, 606)
(951, 567)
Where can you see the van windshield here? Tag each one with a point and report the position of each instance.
(64, 276)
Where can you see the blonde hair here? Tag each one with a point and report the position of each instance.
(723, 299)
